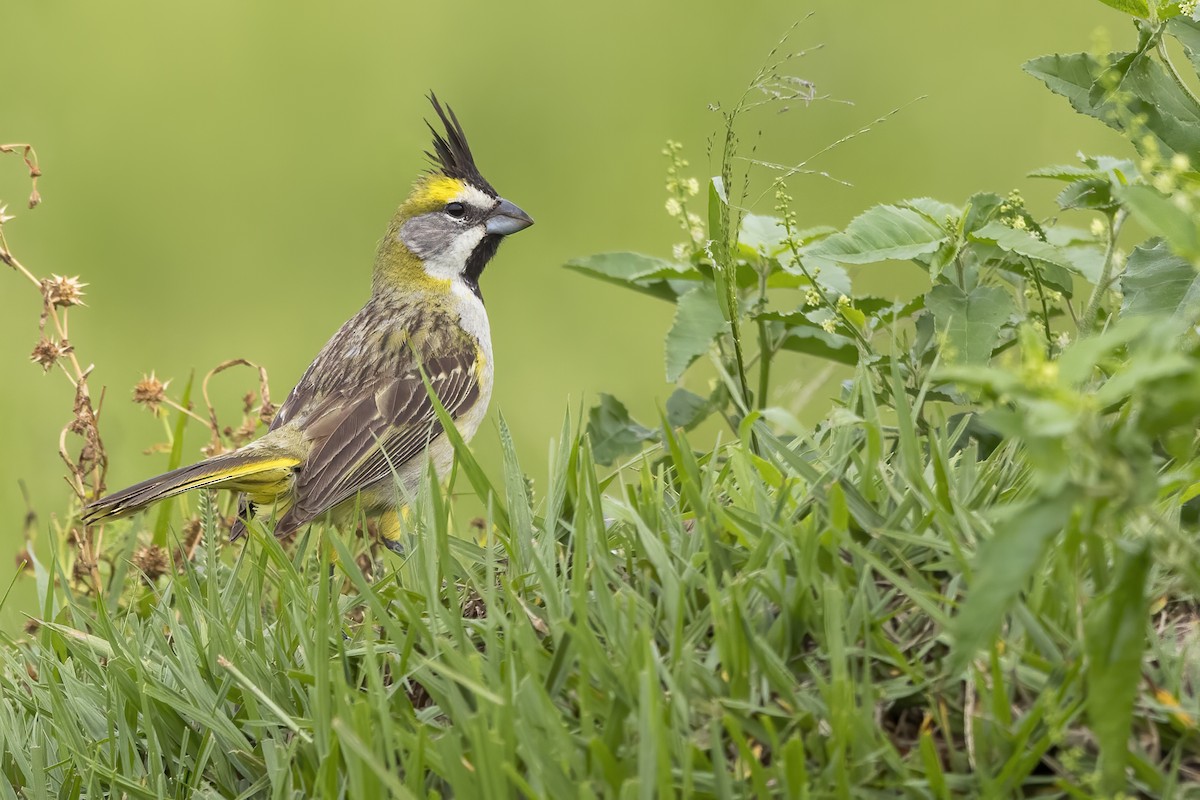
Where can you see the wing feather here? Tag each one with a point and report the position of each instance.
(361, 440)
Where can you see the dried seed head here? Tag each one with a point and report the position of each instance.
(151, 560)
(31, 627)
(63, 291)
(245, 432)
(192, 529)
(47, 352)
(150, 391)
(81, 570)
(214, 448)
(24, 561)
(266, 412)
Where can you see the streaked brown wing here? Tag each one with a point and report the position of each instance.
(361, 440)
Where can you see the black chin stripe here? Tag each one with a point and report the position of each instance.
(478, 259)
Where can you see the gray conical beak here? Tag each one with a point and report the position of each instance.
(507, 219)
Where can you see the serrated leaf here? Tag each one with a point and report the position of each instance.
(1135, 8)
(1146, 79)
(1115, 642)
(613, 433)
(1022, 243)
(1187, 31)
(1158, 281)
(1160, 216)
(882, 233)
(686, 409)
(698, 321)
(635, 271)
(1062, 172)
(935, 211)
(1093, 167)
(1088, 193)
(970, 322)
(981, 209)
(1146, 93)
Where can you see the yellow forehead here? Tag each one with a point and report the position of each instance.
(438, 189)
(434, 191)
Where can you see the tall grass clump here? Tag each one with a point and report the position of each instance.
(977, 575)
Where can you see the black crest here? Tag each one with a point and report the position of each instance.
(451, 153)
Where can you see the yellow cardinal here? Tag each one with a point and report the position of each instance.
(361, 416)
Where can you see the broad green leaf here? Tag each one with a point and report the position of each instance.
(763, 234)
(1187, 31)
(1081, 248)
(832, 278)
(970, 322)
(939, 213)
(1115, 642)
(1146, 93)
(1068, 236)
(981, 209)
(1159, 215)
(801, 335)
(1088, 260)
(1093, 193)
(639, 272)
(1135, 8)
(1022, 243)
(1158, 281)
(1091, 167)
(686, 409)
(613, 433)
(1002, 568)
(882, 233)
(1062, 172)
(698, 321)
(1145, 79)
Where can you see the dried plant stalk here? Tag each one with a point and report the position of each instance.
(86, 470)
(85, 458)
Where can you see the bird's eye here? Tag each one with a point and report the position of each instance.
(456, 210)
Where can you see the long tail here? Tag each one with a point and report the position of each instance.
(246, 470)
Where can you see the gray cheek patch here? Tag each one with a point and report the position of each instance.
(429, 234)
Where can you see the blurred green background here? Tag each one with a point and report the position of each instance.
(220, 174)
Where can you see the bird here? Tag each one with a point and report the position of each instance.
(361, 417)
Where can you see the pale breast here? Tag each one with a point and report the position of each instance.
(472, 317)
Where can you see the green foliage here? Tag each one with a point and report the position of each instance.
(1038, 349)
(976, 575)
